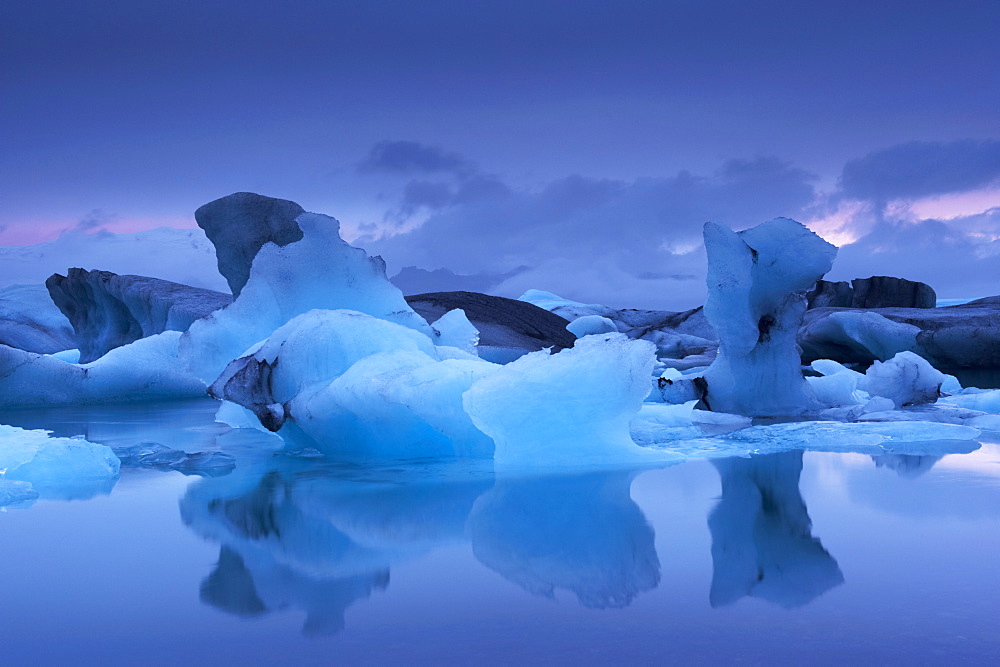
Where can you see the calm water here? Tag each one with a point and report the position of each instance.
(788, 558)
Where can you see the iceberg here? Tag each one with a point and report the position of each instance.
(55, 468)
(146, 370)
(906, 379)
(16, 493)
(571, 408)
(950, 337)
(30, 321)
(756, 298)
(108, 310)
(320, 271)
(240, 224)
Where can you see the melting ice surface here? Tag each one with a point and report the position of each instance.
(788, 557)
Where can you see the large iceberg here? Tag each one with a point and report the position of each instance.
(756, 297)
(108, 310)
(319, 271)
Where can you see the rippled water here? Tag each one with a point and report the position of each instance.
(790, 558)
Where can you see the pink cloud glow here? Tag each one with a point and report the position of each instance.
(39, 231)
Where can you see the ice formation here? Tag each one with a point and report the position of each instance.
(591, 324)
(951, 337)
(906, 379)
(57, 468)
(571, 408)
(873, 292)
(146, 370)
(756, 297)
(455, 330)
(108, 310)
(30, 321)
(155, 455)
(319, 271)
(240, 224)
(507, 328)
(685, 338)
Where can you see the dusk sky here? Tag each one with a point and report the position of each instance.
(586, 141)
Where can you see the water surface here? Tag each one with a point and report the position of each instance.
(786, 558)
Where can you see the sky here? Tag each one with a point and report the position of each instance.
(576, 147)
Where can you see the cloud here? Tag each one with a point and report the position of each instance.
(95, 221)
(959, 257)
(628, 243)
(412, 157)
(921, 169)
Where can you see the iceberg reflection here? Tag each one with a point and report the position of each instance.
(297, 534)
(582, 533)
(762, 543)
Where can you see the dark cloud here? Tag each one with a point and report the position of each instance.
(628, 243)
(919, 169)
(94, 221)
(958, 257)
(412, 157)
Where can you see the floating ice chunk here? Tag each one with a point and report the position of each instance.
(756, 281)
(984, 401)
(59, 468)
(455, 330)
(155, 455)
(828, 367)
(566, 308)
(146, 370)
(16, 493)
(321, 271)
(906, 379)
(570, 408)
(590, 325)
(905, 437)
(838, 389)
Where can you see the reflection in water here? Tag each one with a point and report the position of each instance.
(301, 537)
(296, 536)
(906, 465)
(582, 533)
(762, 545)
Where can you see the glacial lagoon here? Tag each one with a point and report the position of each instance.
(794, 558)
